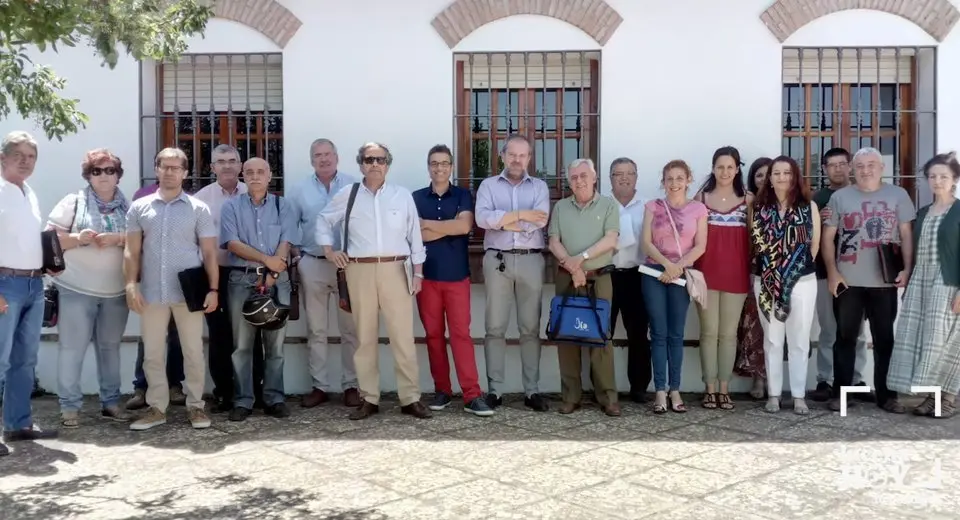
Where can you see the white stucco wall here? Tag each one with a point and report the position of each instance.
(679, 79)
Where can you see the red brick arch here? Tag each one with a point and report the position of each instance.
(936, 17)
(266, 16)
(594, 17)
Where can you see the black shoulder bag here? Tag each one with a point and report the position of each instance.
(51, 295)
(342, 289)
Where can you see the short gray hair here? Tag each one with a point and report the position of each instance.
(318, 142)
(16, 138)
(374, 144)
(622, 160)
(576, 163)
(223, 149)
(865, 151)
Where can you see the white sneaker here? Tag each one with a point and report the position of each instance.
(198, 418)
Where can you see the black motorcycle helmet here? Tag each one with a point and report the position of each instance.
(263, 311)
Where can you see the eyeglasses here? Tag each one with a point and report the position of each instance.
(441, 164)
(109, 170)
(378, 160)
(174, 169)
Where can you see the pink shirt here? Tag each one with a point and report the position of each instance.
(685, 218)
(215, 196)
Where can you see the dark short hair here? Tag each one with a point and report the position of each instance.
(172, 153)
(834, 152)
(96, 156)
(516, 137)
(440, 148)
(944, 159)
(752, 175)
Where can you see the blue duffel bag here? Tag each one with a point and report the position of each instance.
(579, 320)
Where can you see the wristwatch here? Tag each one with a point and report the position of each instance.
(586, 255)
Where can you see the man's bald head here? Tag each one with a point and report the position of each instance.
(256, 174)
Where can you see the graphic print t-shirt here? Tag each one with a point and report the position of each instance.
(661, 231)
(864, 221)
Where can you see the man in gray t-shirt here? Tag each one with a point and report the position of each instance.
(862, 217)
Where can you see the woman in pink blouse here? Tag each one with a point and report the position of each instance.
(674, 237)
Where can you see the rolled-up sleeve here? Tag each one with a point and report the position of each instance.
(229, 230)
(330, 217)
(290, 223)
(487, 217)
(418, 253)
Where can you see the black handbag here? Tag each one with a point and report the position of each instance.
(51, 306)
(342, 290)
(195, 286)
(54, 262)
(891, 261)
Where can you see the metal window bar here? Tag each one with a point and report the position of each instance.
(210, 99)
(853, 97)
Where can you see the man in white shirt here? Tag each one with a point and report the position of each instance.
(225, 163)
(21, 287)
(627, 279)
(383, 256)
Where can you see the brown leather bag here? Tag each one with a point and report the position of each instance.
(342, 290)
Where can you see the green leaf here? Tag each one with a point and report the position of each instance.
(143, 29)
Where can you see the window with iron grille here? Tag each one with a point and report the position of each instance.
(204, 100)
(858, 97)
(552, 98)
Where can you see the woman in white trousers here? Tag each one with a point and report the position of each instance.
(785, 231)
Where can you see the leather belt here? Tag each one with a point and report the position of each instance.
(378, 259)
(517, 251)
(29, 273)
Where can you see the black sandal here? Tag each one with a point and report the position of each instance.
(725, 402)
(710, 401)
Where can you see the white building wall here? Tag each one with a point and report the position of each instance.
(679, 79)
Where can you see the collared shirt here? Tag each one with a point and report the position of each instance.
(384, 223)
(579, 227)
(310, 197)
(149, 189)
(259, 226)
(215, 196)
(447, 257)
(20, 227)
(631, 225)
(171, 242)
(497, 196)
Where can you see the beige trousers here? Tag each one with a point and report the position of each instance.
(153, 328)
(375, 287)
(718, 335)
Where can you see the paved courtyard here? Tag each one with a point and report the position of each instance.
(702, 465)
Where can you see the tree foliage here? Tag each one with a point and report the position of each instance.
(144, 29)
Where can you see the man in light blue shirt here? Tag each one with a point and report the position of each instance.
(258, 229)
(319, 278)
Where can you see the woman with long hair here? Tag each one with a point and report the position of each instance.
(673, 238)
(926, 349)
(785, 227)
(726, 269)
(750, 362)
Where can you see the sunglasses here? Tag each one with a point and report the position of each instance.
(109, 170)
(378, 160)
(502, 267)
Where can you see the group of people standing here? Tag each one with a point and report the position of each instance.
(770, 256)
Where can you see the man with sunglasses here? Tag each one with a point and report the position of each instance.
(512, 208)
(382, 257)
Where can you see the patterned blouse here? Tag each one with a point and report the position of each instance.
(783, 245)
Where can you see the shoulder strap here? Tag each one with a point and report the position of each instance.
(676, 234)
(76, 205)
(346, 216)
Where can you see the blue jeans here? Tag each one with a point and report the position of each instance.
(19, 342)
(84, 318)
(175, 374)
(240, 288)
(667, 306)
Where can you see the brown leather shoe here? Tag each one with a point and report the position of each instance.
(612, 410)
(351, 398)
(568, 408)
(314, 398)
(366, 410)
(417, 410)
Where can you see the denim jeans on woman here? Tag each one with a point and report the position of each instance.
(240, 288)
(667, 306)
(85, 318)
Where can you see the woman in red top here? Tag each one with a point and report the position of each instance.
(726, 269)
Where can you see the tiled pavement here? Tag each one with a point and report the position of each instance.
(519, 464)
